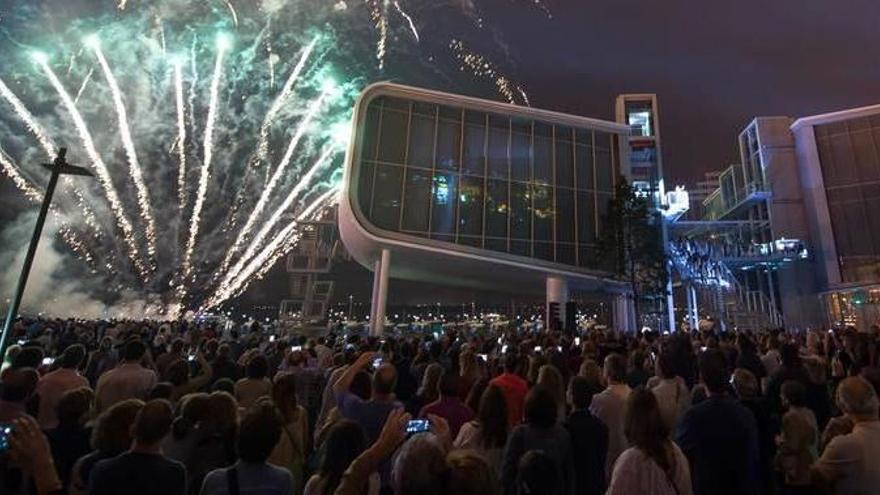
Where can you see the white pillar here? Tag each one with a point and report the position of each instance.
(670, 299)
(557, 292)
(692, 310)
(624, 313)
(380, 293)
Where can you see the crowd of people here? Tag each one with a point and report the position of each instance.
(111, 407)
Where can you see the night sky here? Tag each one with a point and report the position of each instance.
(714, 66)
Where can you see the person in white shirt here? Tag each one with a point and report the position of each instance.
(129, 380)
(671, 391)
(53, 385)
(850, 463)
(610, 404)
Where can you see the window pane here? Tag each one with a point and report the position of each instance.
(544, 250)
(521, 248)
(586, 217)
(416, 201)
(521, 151)
(603, 171)
(443, 206)
(470, 206)
(499, 131)
(475, 144)
(543, 153)
(365, 187)
(392, 138)
(449, 139)
(543, 216)
(584, 159)
(565, 254)
(421, 136)
(371, 128)
(496, 209)
(564, 158)
(386, 198)
(520, 212)
(565, 215)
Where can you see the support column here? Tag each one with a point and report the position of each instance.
(624, 313)
(693, 315)
(380, 293)
(557, 292)
(670, 299)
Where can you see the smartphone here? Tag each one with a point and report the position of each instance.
(5, 433)
(504, 349)
(377, 362)
(271, 338)
(191, 357)
(296, 348)
(537, 348)
(48, 361)
(484, 357)
(418, 426)
(577, 341)
(703, 349)
(559, 348)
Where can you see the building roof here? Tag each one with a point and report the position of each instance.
(828, 118)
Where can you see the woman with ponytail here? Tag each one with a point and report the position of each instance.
(653, 464)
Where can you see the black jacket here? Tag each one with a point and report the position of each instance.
(589, 446)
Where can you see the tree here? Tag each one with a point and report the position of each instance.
(631, 244)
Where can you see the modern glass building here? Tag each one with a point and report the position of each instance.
(460, 180)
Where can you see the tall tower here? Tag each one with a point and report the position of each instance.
(641, 114)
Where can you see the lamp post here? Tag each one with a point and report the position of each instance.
(58, 167)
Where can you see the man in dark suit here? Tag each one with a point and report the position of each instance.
(589, 439)
(719, 436)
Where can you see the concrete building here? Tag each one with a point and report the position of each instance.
(793, 226)
(468, 192)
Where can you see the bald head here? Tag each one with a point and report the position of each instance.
(857, 398)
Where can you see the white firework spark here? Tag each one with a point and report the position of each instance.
(101, 169)
(181, 136)
(134, 166)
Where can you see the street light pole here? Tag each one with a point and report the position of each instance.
(58, 167)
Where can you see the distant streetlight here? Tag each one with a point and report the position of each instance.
(58, 167)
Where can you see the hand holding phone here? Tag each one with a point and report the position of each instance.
(5, 433)
(415, 426)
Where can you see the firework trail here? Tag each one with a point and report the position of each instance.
(134, 166)
(181, 136)
(101, 169)
(231, 223)
(482, 68)
(267, 227)
(186, 267)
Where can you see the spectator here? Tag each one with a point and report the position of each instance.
(359, 472)
(128, 381)
(143, 469)
(345, 441)
(589, 439)
(111, 436)
(52, 386)
(609, 406)
(748, 390)
(70, 438)
(19, 385)
(638, 376)
(673, 396)
(850, 463)
(216, 436)
(719, 436)
(487, 434)
(252, 474)
(224, 366)
(29, 449)
(469, 473)
(255, 384)
(653, 465)
(420, 466)
(792, 369)
(180, 445)
(429, 390)
(537, 474)
(166, 359)
(550, 378)
(449, 406)
(539, 432)
(371, 414)
(593, 373)
(514, 388)
(798, 439)
(292, 448)
(101, 360)
(748, 357)
(178, 374)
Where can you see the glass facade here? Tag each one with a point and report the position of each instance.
(849, 153)
(488, 181)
